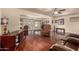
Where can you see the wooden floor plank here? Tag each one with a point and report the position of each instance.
(36, 43)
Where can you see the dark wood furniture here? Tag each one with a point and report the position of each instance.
(11, 41)
(45, 30)
(25, 30)
(8, 42)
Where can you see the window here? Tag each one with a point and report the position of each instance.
(36, 24)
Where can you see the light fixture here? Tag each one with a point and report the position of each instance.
(56, 12)
(4, 21)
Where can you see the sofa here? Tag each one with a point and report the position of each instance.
(73, 35)
(72, 41)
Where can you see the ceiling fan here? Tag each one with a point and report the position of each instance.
(58, 11)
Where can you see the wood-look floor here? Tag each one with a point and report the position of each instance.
(36, 43)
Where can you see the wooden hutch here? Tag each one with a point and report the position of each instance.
(11, 41)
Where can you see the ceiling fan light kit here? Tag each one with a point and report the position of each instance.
(56, 12)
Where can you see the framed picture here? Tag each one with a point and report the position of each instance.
(61, 21)
(60, 31)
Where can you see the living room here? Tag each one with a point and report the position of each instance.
(39, 29)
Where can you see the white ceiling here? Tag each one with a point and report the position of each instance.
(50, 11)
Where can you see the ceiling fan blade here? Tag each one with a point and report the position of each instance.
(62, 10)
(53, 11)
(59, 12)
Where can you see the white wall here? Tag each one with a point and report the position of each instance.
(66, 23)
(69, 26)
(13, 18)
(74, 26)
(13, 14)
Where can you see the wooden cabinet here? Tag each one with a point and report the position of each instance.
(9, 42)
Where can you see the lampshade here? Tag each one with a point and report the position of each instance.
(4, 20)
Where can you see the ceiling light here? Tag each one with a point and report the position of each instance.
(56, 12)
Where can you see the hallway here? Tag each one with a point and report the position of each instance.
(36, 43)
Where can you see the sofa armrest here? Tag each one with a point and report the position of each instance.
(64, 40)
(72, 40)
(58, 47)
(73, 35)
